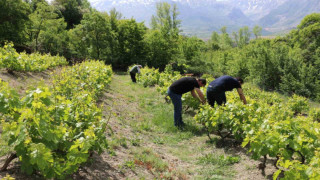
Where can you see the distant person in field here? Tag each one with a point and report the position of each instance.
(180, 87)
(217, 88)
(133, 71)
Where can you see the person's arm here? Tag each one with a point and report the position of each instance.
(194, 94)
(242, 97)
(200, 96)
(138, 69)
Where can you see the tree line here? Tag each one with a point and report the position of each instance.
(77, 31)
(74, 29)
(289, 64)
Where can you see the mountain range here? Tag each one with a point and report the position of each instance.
(201, 17)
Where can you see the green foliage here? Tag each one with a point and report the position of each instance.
(53, 130)
(47, 31)
(298, 104)
(221, 160)
(272, 128)
(13, 21)
(192, 49)
(72, 10)
(131, 47)
(163, 40)
(13, 61)
(289, 64)
(295, 170)
(257, 31)
(315, 114)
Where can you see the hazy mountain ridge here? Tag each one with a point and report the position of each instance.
(256, 9)
(289, 15)
(201, 17)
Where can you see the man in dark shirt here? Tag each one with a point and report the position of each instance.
(217, 88)
(180, 87)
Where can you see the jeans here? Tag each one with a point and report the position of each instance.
(177, 103)
(133, 77)
(215, 95)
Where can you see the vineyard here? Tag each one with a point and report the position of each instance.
(54, 129)
(68, 109)
(13, 61)
(268, 126)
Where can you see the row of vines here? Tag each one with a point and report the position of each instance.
(53, 130)
(13, 61)
(269, 126)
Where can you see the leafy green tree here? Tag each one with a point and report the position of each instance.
(113, 19)
(192, 49)
(132, 46)
(72, 10)
(235, 38)
(225, 40)
(165, 29)
(244, 36)
(95, 32)
(13, 21)
(214, 41)
(45, 30)
(34, 4)
(78, 43)
(257, 31)
(54, 38)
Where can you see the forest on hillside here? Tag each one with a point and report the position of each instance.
(73, 29)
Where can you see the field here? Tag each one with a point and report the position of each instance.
(65, 113)
(144, 144)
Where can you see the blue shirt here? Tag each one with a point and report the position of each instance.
(225, 83)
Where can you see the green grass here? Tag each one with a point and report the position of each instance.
(151, 160)
(151, 118)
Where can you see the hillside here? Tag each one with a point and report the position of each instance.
(144, 144)
(201, 17)
(288, 15)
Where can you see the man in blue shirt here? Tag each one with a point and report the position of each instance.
(217, 88)
(180, 87)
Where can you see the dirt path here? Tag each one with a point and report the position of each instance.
(145, 145)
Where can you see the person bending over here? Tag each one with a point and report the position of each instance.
(217, 88)
(133, 71)
(180, 87)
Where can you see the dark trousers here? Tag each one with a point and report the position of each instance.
(214, 95)
(133, 77)
(177, 104)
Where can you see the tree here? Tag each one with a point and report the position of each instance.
(95, 32)
(13, 20)
(257, 31)
(113, 19)
(225, 40)
(45, 28)
(165, 26)
(191, 50)
(132, 47)
(34, 4)
(72, 10)
(214, 41)
(244, 36)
